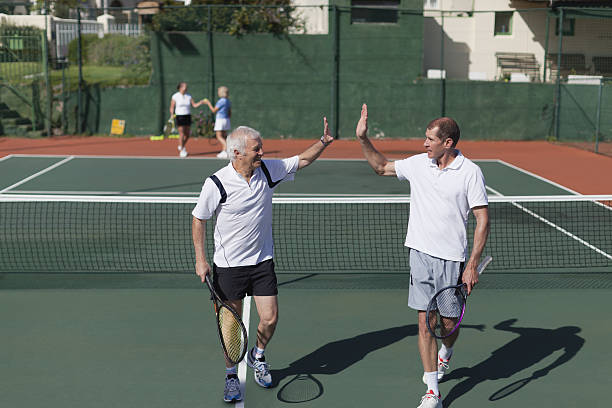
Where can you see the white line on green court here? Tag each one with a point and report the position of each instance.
(8, 156)
(555, 226)
(138, 193)
(33, 176)
(544, 179)
(242, 367)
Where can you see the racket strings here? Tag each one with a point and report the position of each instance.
(450, 305)
(232, 334)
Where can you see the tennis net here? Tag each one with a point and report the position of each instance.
(74, 234)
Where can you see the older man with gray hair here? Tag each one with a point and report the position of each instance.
(240, 196)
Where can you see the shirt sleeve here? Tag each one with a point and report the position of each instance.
(208, 202)
(221, 103)
(402, 169)
(476, 189)
(174, 97)
(283, 169)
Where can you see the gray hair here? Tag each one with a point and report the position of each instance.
(238, 138)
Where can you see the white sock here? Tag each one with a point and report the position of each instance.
(445, 353)
(231, 370)
(258, 352)
(432, 381)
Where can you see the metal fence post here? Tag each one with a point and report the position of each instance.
(80, 62)
(45, 62)
(559, 60)
(598, 120)
(211, 57)
(546, 45)
(442, 72)
(335, 73)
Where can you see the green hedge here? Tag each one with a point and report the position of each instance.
(115, 50)
(86, 39)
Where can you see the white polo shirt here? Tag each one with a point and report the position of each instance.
(182, 103)
(440, 202)
(243, 231)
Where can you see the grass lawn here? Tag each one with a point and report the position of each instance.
(106, 76)
(22, 73)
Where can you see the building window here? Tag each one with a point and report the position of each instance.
(568, 27)
(503, 22)
(384, 11)
(431, 4)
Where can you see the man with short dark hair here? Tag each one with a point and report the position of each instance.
(444, 187)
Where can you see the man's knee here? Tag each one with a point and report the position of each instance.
(269, 319)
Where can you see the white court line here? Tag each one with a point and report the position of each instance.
(114, 193)
(93, 156)
(544, 179)
(88, 156)
(8, 156)
(555, 226)
(33, 176)
(242, 367)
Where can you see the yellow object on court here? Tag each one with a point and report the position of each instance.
(117, 127)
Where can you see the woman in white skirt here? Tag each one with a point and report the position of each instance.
(223, 111)
(180, 110)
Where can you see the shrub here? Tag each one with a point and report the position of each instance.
(132, 53)
(73, 50)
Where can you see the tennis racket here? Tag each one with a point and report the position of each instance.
(231, 330)
(449, 303)
(170, 127)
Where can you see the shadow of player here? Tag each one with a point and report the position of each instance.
(336, 356)
(532, 346)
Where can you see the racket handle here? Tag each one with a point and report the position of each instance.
(484, 263)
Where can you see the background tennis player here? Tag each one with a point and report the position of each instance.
(240, 196)
(444, 186)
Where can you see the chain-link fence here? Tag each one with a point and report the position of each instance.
(522, 74)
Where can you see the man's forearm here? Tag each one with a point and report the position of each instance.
(311, 154)
(376, 160)
(198, 229)
(481, 233)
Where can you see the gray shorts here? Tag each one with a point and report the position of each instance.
(428, 275)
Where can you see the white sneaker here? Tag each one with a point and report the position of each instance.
(183, 152)
(443, 368)
(222, 154)
(431, 400)
(179, 148)
(261, 370)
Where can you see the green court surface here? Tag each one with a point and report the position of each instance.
(343, 340)
(151, 176)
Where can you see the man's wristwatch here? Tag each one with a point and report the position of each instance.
(324, 142)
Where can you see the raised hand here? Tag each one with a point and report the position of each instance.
(362, 126)
(327, 137)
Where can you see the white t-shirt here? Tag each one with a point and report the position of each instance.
(243, 231)
(182, 103)
(440, 202)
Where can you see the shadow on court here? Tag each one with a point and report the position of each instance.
(334, 357)
(532, 346)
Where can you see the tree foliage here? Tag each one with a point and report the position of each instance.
(250, 16)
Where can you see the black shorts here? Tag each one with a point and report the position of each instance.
(234, 283)
(183, 120)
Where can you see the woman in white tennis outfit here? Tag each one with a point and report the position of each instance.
(223, 111)
(180, 109)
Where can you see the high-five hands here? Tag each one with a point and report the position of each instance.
(362, 126)
(327, 137)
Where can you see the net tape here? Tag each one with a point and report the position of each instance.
(126, 234)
